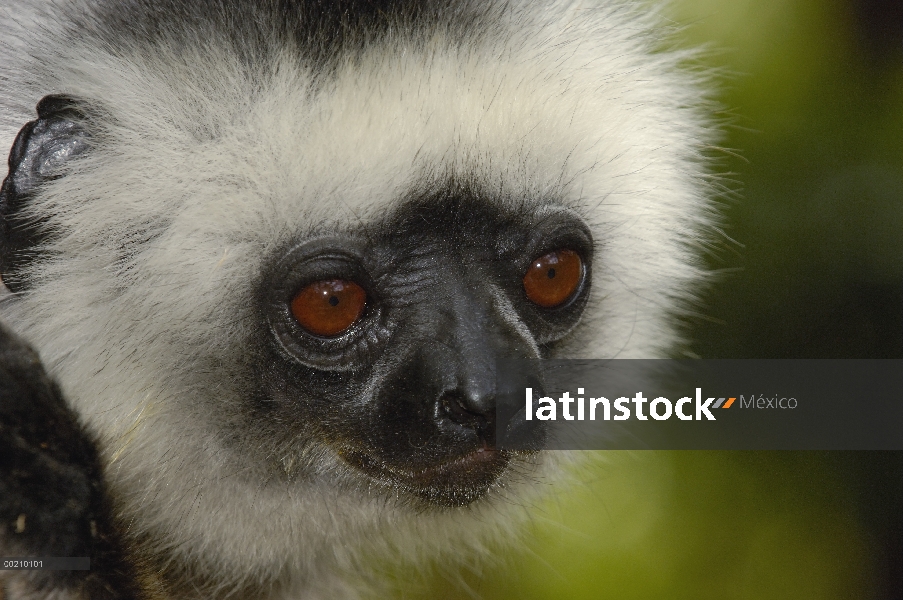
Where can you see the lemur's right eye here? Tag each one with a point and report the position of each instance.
(327, 308)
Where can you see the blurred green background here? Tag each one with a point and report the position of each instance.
(812, 92)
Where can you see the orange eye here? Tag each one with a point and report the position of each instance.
(553, 278)
(329, 307)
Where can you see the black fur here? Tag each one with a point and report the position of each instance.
(319, 30)
(52, 495)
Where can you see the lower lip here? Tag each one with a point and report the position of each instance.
(480, 467)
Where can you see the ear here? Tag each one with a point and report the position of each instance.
(40, 150)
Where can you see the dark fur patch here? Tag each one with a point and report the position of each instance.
(318, 29)
(52, 495)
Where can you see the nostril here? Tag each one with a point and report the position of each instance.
(457, 408)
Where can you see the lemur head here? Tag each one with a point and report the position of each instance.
(273, 252)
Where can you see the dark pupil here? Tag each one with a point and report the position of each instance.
(333, 301)
(551, 273)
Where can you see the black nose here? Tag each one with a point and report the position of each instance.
(467, 340)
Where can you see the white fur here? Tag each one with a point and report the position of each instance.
(570, 100)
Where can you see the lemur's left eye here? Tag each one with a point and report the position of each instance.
(552, 279)
(327, 308)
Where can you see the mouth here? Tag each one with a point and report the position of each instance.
(456, 482)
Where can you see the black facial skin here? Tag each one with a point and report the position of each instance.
(407, 394)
